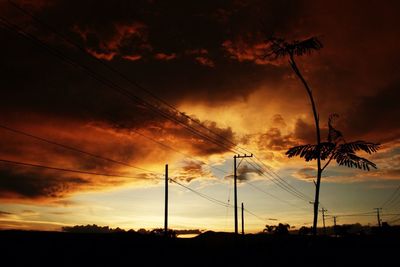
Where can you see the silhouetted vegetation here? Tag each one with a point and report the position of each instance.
(304, 230)
(343, 153)
(91, 229)
(280, 229)
(160, 232)
(106, 229)
(355, 229)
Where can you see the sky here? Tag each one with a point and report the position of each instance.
(101, 78)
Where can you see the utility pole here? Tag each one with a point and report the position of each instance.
(166, 202)
(334, 225)
(242, 219)
(323, 218)
(378, 216)
(235, 186)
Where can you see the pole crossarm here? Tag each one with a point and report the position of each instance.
(238, 156)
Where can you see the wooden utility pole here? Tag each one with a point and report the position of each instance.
(334, 225)
(166, 202)
(323, 218)
(378, 216)
(242, 219)
(235, 186)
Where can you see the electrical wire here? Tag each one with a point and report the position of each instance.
(135, 98)
(114, 70)
(73, 148)
(72, 170)
(273, 196)
(110, 84)
(282, 186)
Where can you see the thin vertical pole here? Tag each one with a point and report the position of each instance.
(242, 219)
(235, 194)
(334, 226)
(166, 201)
(378, 216)
(323, 218)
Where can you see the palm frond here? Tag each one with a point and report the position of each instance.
(306, 46)
(351, 147)
(309, 152)
(351, 160)
(277, 48)
(280, 48)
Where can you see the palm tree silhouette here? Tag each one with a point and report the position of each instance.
(335, 147)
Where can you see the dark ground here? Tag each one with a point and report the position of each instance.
(23, 248)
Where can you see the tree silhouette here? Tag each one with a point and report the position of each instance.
(343, 153)
(280, 229)
(336, 148)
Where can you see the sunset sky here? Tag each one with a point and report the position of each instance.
(205, 58)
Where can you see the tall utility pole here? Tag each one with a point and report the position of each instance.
(242, 219)
(323, 218)
(166, 202)
(378, 216)
(334, 225)
(235, 186)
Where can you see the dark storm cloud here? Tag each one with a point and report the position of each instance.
(5, 214)
(192, 169)
(304, 131)
(35, 185)
(373, 115)
(52, 87)
(274, 140)
(245, 172)
(200, 52)
(141, 30)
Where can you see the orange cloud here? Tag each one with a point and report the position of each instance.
(166, 57)
(127, 40)
(118, 143)
(132, 57)
(243, 51)
(205, 61)
(102, 55)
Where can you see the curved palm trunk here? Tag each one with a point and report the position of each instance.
(316, 119)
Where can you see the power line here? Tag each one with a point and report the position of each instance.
(273, 196)
(258, 217)
(71, 170)
(281, 182)
(280, 179)
(392, 198)
(371, 213)
(211, 199)
(110, 84)
(114, 70)
(92, 154)
(134, 83)
(282, 186)
(176, 150)
(72, 148)
(214, 200)
(126, 93)
(394, 219)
